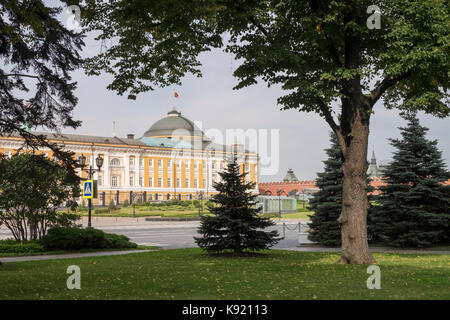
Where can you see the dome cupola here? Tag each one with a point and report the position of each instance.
(174, 125)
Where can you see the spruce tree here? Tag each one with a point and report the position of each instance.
(413, 209)
(235, 224)
(327, 202)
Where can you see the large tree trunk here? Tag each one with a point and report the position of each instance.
(353, 219)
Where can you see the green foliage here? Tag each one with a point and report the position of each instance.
(235, 224)
(311, 48)
(31, 188)
(36, 62)
(76, 239)
(13, 246)
(413, 209)
(112, 205)
(321, 53)
(327, 202)
(101, 210)
(126, 203)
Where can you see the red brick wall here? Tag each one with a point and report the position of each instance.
(287, 187)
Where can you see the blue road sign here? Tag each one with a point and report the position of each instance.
(88, 190)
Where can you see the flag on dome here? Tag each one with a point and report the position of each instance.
(175, 95)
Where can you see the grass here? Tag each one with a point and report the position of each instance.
(44, 253)
(174, 211)
(191, 274)
(297, 215)
(178, 211)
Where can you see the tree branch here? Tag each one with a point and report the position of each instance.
(384, 85)
(327, 114)
(21, 75)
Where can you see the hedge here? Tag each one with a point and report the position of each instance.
(13, 246)
(76, 239)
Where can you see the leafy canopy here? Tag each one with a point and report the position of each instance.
(318, 51)
(32, 187)
(37, 54)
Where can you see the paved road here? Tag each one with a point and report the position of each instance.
(170, 235)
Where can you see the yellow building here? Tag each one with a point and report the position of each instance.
(172, 160)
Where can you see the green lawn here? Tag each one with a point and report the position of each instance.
(297, 215)
(43, 253)
(169, 211)
(191, 274)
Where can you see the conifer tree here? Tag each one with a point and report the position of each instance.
(327, 202)
(414, 207)
(235, 224)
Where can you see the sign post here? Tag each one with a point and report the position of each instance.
(88, 193)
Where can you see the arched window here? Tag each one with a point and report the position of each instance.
(115, 162)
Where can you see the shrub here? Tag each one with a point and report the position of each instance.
(157, 204)
(126, 203)
(13, 246)
(111, 205)
(119, 241)
(63, 219)
(76, 239)
(102, 210)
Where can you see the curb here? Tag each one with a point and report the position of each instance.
(71, 255)
(172, 219)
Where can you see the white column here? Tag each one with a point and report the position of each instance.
(105, 170)
(137, 171)
(127, 170)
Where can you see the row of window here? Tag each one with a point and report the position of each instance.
(115, 182)
(220, 166)
(115, 179)
(150, 197)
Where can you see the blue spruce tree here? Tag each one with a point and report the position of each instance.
(413, 209)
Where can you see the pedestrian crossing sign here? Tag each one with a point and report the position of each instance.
(88, 189)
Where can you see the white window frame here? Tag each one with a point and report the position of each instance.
(115, 181)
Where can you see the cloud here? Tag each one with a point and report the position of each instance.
(303, 136)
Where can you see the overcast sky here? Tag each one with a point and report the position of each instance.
(211, 99)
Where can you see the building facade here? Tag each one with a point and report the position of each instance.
(172, 160)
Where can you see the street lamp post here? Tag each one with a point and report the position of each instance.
(133, 198)
(279, 192)
(303, 198)
(200, 198)
(90, 171)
